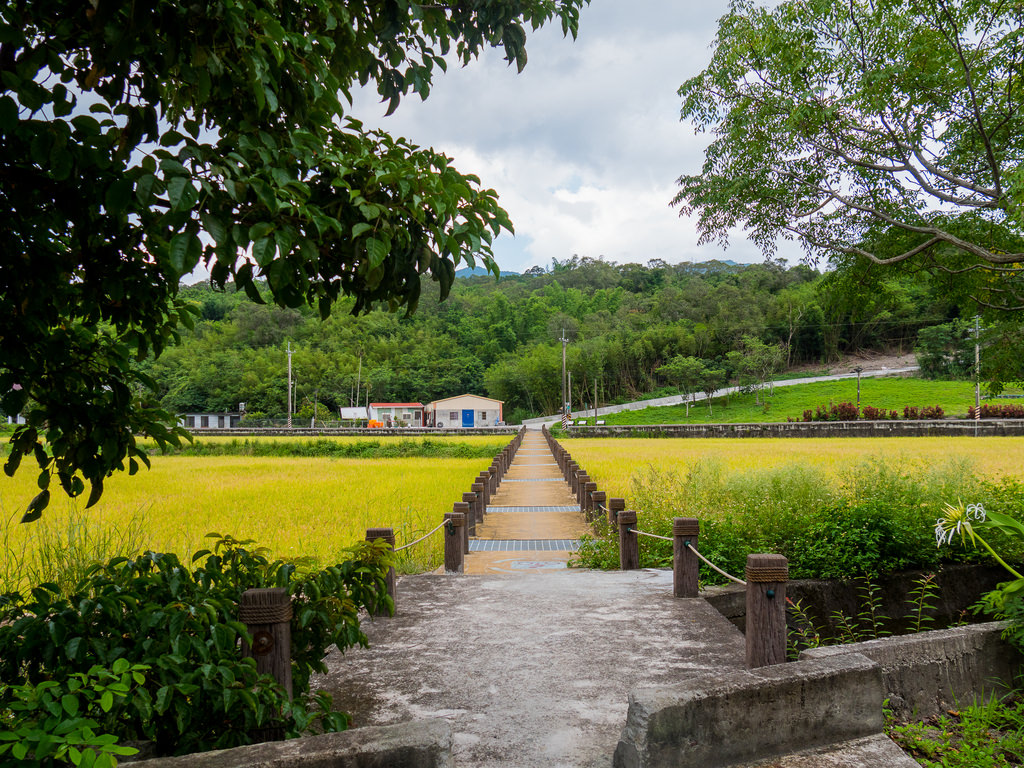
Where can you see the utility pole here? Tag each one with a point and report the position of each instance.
(289, 385)
(359, 376)
(564, 341)
(977, 365)
(568, 401)
(858, 369)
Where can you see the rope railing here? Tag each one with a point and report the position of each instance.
(714, 567)
(421, 538)
(651, 535)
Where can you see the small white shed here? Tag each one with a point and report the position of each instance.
(465, 411)
(397, 414)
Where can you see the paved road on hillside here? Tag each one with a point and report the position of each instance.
(700, 396)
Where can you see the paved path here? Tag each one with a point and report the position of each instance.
(533, 670)
(533, 520)
(700, 396)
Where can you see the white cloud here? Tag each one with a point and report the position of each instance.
(585, 145)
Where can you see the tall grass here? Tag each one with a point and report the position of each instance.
(873, 517)
(296, 507)
(62, 546)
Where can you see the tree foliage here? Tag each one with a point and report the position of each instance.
(880, 132)
(138, 140)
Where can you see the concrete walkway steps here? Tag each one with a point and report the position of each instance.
(533, 522)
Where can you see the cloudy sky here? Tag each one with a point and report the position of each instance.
(585, 145)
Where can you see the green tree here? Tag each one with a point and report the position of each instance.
(138, 140)
(686, 373)
(882, 132)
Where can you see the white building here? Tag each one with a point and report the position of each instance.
(465, 411)
(209, 420)
(397, 414)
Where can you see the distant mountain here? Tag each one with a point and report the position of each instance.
(474, 271)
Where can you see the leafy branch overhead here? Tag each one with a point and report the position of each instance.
(874, 132)
(138, 141)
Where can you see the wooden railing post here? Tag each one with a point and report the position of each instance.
(766, 609)
(388, 534)
(481, 502)
(485, 481)
(454, 557)
(685, 565)
(615, 505)
(492, 474)
(471, 516)
(463, 508)
(267, 615)
(629, 541)
(588, 498)
(599, 498)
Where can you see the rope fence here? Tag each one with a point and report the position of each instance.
(650, 535)
(714, 567)
(421, 538)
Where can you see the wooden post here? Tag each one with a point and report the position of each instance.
(484, 480)
(470, 501)
(492, 474)
(600, 500)
(766, 609)
(588, 498)
(614, 507)
(481, 502)
(267, 615)
(463, 508)
(453, 554)
(629, 542)
(685, 565)
(388, 534)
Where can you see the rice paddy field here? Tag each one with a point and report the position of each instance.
(615, 463)
(296, 507)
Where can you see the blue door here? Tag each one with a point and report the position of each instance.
(467, 418)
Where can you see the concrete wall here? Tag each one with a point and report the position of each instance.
(829, 697)
(727, 719)
(958, 588)
(924, 428)
(928, 673)
(426, 744)
(361, 432)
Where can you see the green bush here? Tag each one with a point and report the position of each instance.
(181, 624)
(876, 518)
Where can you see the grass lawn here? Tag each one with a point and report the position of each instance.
(890, 393)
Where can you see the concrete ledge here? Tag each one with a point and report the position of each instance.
(867, 752)
(726, 719)
(930, 672)
(425, 744)
(861, 428)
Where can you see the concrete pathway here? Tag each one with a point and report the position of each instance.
(534, 670)
(638, 405)
(533, 520)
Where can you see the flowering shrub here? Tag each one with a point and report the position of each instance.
(1002, 411)
(967, 523)
(910, 412)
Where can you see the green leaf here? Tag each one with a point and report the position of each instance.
(96, 492)
(69, 704)
(185, 252)
(36, 507)
(264, 250)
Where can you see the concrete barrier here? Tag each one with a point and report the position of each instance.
(896, 428)
(928, 673)
(425, 744)
(726, 719)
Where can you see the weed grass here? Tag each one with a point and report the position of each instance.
(296, 507)
(889, 393)
(986, 733)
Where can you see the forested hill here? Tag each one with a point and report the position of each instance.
(624, 322)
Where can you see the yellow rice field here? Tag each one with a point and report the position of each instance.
(295, 506)
(613, 463)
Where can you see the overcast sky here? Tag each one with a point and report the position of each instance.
(585, 145)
